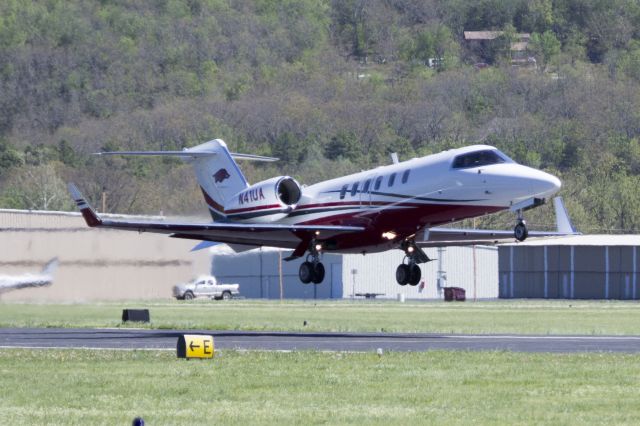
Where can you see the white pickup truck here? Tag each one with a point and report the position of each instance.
(205, 286)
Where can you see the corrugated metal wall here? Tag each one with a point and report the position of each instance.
(375, 273)
(569, 272)
(95, 264)
(258, 275)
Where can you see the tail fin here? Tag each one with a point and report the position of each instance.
(218, 174)
(50, 267)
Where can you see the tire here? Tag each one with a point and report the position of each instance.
(188, 295)
(521, 232)
(318, 273)
(226, 295)
(415, 274)
(402, 274)
(305, 273)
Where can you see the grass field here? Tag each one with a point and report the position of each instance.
(307, 387)
(527, 317)
(113, 387)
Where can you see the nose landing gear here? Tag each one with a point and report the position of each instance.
(408, 272)
(520, 232)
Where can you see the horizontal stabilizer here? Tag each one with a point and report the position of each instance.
(188, 154)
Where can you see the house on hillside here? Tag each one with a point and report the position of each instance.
(485, 46)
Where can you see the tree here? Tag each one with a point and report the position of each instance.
(343, 145)
(546, 46)
(36, 188)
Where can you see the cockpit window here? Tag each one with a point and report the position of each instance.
(477, 159)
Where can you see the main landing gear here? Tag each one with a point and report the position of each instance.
(408, 272)
(312, 270)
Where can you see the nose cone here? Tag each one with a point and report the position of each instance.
(545, 184)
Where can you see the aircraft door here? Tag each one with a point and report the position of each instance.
(365, 194)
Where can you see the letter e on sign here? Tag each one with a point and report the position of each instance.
(195, 346)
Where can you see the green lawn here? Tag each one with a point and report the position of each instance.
(438, 387)
(529, 317)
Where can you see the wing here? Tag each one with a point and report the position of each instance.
(440, 236)
(255, 234)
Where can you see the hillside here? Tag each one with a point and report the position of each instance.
(330, 87)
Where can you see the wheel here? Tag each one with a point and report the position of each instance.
(318, 273)
(226, 295)
(402, 274)
(415, 274)
(188, 296)
(306, 272)
(520, 231)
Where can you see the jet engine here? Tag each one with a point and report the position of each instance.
(265, 201)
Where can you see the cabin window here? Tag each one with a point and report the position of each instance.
(378, 183)
(477, 159)
(354, 190)
(392, 179)
(405, 176)
(343, 192)
(366, 186)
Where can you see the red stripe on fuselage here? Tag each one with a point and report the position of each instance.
(404, 222)
(253, 209)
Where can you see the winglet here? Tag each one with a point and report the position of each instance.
(87, 211)
(562, 217)
(203, 245)
(50, 267)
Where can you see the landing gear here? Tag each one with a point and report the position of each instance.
(520, 232)
(318, 273)
(403, 273)
(306, 272)
(312, 270)
(409, 272)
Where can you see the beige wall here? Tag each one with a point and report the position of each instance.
(95, 264)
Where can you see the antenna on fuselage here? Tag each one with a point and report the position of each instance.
(394, 158)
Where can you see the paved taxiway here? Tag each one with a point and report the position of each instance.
(289, 341)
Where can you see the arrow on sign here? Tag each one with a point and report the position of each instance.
(191, 346)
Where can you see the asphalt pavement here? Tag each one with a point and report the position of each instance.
(126, 338)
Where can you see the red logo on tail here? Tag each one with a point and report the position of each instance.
(221, 175)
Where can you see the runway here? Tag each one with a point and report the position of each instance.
(290, 341)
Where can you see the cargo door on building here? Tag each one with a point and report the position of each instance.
(336, 281)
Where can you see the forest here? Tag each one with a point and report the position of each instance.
(328, 86)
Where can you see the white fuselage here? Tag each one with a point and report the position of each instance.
(423, 192)
(9, 282)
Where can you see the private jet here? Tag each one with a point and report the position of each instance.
(397, 206)
(16, 282)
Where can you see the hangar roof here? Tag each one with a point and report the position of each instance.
(585, 240)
